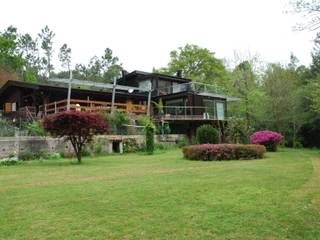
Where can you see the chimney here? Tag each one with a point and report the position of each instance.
(179, 73)
(123, 73)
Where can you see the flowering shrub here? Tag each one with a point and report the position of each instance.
(267, 138)
(78, 127)
(223, 151)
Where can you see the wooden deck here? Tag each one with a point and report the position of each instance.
(90, 106)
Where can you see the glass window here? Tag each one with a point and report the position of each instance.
(220, 110)
(145, 85)
(209, 107)
(174, 107)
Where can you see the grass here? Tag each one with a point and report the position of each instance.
(163, 196)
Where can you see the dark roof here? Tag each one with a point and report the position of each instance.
(135, 74)
(58, 86)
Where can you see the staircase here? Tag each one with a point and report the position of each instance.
(28, 113)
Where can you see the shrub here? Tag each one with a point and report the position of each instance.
(116, 122)
(223, 151)
(207, 134)
(78, 127)
(9, 161)
(149, 135)
(182, 142)
(30, 155)
(130, 145)
(35, 129)
(267, 138)
(7, 128)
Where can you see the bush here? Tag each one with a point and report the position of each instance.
(310, 134)
(223, 151)
(130, 145)
(182, 142)
(9, 161)
(29, 155)
(149, 134)
(7, 128)
(207, 134)
(267, 138)
(35, 129)
(116, 122)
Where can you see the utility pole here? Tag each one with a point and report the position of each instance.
(69, 91)
(113, 94)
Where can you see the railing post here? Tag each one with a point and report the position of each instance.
(45, 109)
(55, 107)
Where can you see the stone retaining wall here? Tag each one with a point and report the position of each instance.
(10, 146)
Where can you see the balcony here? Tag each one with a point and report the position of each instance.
(90, 106)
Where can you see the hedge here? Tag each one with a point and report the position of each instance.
(209, 152)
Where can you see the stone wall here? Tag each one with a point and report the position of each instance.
(14, 145)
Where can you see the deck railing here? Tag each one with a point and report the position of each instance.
(189, 113)
(90, 106)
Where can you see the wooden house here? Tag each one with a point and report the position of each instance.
(186, 104)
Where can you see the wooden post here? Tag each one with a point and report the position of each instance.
(113, 94)
(45, 109)
(69, 91)
(55, 107)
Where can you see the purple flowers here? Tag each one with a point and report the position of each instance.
(267, 138)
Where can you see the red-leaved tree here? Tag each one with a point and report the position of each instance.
(78, 127)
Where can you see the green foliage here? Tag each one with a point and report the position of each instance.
(100, 69)
(237, 131)
(149, 137)
(198, 64)
(10, 57)
(117, 120)
(207, 134)
(27, 155)
(7, 128)
(131, 145)
(143, 120)
(182, 142)
(46, 36)
(9, 161)
(35, 129)
(159, 106)
(163, 128)
(65, 56)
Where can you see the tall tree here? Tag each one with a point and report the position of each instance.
(101, 69)
(10, 57)
(283, 112)
(46, 37)
(65, 57)
(246, 87)
(199, 64)
(30, 52)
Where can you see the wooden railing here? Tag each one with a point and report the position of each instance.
(90, 106)
(28, 112)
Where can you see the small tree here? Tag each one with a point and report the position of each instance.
(78, 127)
(149, 134)
(207, 134)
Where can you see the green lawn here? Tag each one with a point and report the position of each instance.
(163, 196)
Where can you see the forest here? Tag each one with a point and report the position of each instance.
(274, 96)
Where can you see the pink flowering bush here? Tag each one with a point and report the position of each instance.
(269, 139)
(209, 152)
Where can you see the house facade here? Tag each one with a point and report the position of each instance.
(176, 100)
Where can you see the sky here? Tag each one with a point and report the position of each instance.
(143, 32)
